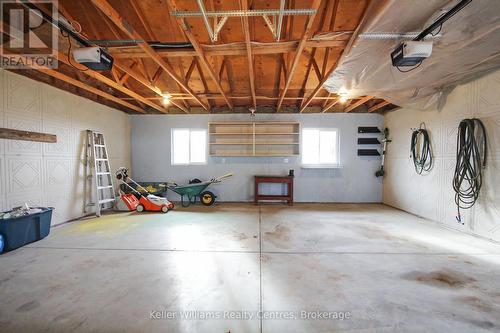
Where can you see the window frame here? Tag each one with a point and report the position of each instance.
(320, 165)
(172, 149)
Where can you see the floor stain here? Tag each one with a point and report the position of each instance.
(278, 236)
(442, 278)
(28, 306)
(241, 236)
(476, 303)
(482, 323)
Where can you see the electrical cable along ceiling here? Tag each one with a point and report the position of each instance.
(466, 47)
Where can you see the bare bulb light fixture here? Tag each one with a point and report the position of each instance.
(343, 99)
(166, 99)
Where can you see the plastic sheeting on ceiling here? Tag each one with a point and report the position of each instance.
(468, 48)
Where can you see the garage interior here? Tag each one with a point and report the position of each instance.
(250, 166)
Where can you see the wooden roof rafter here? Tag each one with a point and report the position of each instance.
(319, 87)
(246, 31)
(359, 102)
(199, 52)
(121, 23)
(305, 36)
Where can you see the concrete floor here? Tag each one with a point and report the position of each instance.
(390, 271)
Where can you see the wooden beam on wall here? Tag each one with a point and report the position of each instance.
(125, 26)
(199, 52)
(298, 53)
(12, 134)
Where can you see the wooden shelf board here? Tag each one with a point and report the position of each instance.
(251, 155)
(231, 143)
(276, 143)
(294, 133)
(231, 133)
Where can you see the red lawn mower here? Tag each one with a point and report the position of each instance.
(151, 203)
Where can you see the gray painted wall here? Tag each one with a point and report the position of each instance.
(431, 195)
(353, 183)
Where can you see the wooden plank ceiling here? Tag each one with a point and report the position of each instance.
(245, 67)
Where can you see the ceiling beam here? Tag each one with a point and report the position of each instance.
(120, 84)
(359, 102)
(79, 84)
(232, 49)
(203, 81)
(199, 51)
(377, 106)
(246, 31)
(352, 39)
(97, 76)
(329, 106)
(298, 53)
(125, 26)
(151, 36)
(190, 70)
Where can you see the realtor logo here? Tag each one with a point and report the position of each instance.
(28, 37)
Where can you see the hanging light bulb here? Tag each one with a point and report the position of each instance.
(343, 94)
(166, 99)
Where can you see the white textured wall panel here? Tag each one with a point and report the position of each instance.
(432, 196)
(51, 174)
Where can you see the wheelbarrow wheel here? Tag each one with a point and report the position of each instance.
(185, 202)
(207, 198)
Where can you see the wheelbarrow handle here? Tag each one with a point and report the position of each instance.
(218, 179)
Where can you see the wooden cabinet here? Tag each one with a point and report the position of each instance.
(254, 138)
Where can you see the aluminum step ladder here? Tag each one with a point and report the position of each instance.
(99, 191)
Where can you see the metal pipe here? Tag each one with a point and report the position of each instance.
(240, 13)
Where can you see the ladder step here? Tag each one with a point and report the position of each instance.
(101, 159)
(104, 187)
(105, 201)
(100, 146)
(103, 173)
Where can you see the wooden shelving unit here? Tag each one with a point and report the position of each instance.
(254, 139)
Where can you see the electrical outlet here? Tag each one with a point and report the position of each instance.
(285, 160)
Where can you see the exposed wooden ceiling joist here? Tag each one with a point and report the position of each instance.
(359, 102)
(232, 49)
(298, 53)
(246, 31)
(91, 89)
(319, 87)
(377, 106)
(123, 24)
(199, 52)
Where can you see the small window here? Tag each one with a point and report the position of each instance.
(189, 146)
(320, 147)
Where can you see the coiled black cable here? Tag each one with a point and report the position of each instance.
(471, 159)
(421, 152)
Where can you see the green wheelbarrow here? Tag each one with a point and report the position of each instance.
(190, 192)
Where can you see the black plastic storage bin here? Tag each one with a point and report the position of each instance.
(22, 230)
